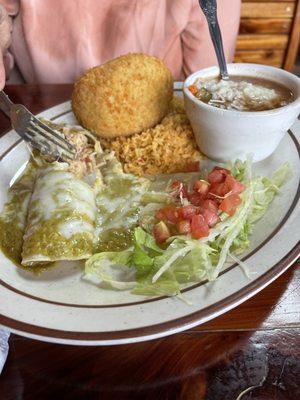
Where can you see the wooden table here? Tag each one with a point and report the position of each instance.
(256, 344)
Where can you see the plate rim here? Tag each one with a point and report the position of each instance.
(161, 329)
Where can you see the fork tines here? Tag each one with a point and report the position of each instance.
(38, 128)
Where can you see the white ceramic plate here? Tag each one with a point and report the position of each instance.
(60, 307)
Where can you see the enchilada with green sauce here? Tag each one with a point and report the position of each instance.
(118, 201)
(61, 217)
(14, 214)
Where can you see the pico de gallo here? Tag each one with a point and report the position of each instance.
(198, 210)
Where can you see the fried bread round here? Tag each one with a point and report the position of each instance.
(127, 95)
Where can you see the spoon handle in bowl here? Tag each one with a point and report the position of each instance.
(209, 8)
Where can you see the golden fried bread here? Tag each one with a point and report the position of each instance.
(127, 95)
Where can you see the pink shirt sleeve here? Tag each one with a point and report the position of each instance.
(198, 49)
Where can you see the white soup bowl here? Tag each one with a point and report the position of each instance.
(227, 135)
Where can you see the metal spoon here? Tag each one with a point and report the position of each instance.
(209, 8)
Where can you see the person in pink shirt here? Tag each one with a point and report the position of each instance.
(55, 41)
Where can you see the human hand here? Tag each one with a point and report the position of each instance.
(5, 40)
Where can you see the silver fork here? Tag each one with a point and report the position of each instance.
(35, 132)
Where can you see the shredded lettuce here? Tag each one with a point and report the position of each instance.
(161, 271)
(111, 269)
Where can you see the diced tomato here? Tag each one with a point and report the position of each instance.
(215, 177)
(161, 232)
(211, 218)
(210, 205)
(217, 189)
(187, 212)
(183, 227)
(179, 189)
(193, 89)
(218, 175)
(195, 199)
(169, 214)
(201, 187)
(233, 186)
(230, 204)
(199, 227)
(160, 215)
(193, 166)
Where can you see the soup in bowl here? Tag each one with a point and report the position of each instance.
(247, 114)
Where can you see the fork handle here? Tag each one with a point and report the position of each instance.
(5, 103)
(209, 8)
